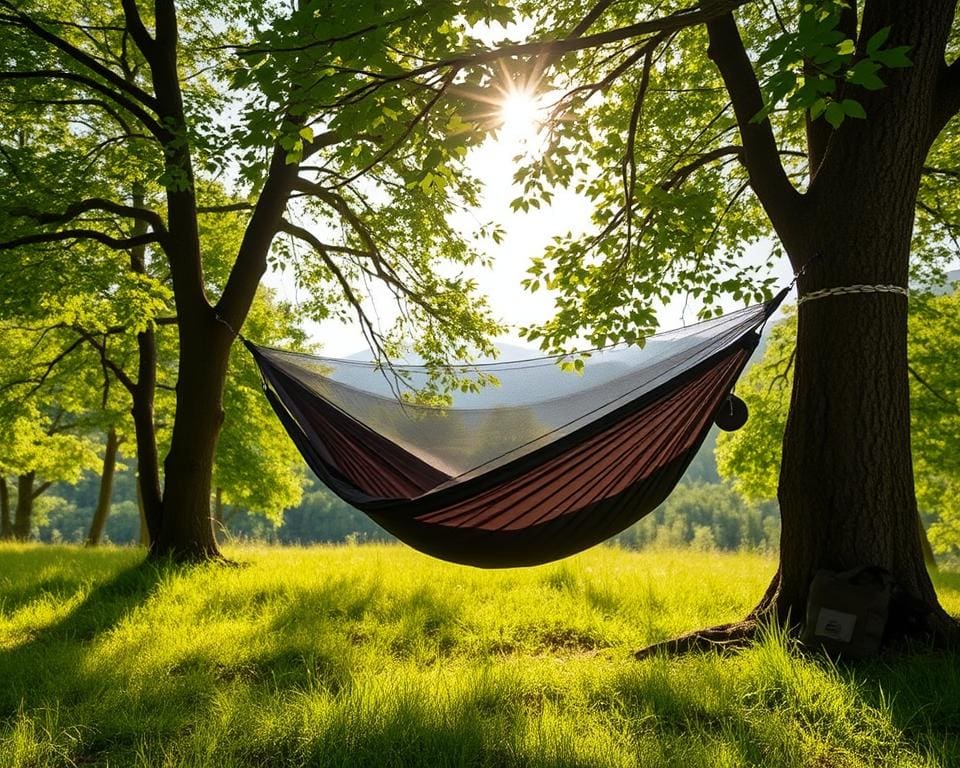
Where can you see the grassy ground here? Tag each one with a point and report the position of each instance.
(375, 655)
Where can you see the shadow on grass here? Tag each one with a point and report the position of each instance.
(58, 650)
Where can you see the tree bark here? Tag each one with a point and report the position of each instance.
(144, 536)
(187, 530)
(6, 523)
(23, 516)
(102, 510)
(142, 396)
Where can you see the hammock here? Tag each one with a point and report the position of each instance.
(544, 465)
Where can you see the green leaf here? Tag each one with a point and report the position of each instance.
(877, 39)
(894, 58)
(864, 74)
(847, 47)
(834, 114)
(853, 108)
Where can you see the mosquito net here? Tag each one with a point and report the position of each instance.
(533, 401)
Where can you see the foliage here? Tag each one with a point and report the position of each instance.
(706, 516)
(376, 655)
(749, 457)
(816, 59)
(45, 431)
(935, 414)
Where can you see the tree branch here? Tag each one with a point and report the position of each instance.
(760, 154)
(105, 106)
(80, 56)
(251, 261)
(550, 49)
(948, 99)
(927, 386)
(166, 22)
(94, 204)
(146, 119)
(136, 28)
(79, 234)
(48, 369)
(682, 173)
(101, 348)
(226, 208)
(366, 325)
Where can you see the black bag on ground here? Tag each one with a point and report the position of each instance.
(847, 612)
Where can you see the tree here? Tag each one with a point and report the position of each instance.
(831, 126)
(142, 90)
(45, 433)
(105, 497)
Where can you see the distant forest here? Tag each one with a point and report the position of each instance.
(703, 512)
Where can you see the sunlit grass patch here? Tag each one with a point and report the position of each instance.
(376, 655)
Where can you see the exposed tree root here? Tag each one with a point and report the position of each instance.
(941, 633)
(722, 637)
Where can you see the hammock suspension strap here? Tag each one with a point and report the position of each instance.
(845, 290)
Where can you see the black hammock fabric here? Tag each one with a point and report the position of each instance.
(545, 464)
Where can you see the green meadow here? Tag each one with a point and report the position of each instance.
(375, 655)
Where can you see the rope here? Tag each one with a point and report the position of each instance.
(849, 289)
(235, 334)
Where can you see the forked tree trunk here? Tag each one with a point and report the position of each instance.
(846, 487)
(187, 529)
(6, 522)
(23, 516)
(102, 510)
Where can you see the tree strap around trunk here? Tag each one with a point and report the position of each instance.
(849, 289)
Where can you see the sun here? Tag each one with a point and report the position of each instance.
(521, 114)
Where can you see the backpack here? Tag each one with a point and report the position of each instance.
(847, 612)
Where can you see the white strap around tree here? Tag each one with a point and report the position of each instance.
(849, 289)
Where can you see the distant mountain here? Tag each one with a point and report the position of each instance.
(949, 285)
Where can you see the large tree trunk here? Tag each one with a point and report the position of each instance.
(102, 510)
(23, 516)
(187, 530)
(6, 522)
(846, 487)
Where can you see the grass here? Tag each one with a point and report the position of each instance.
(376, 655)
